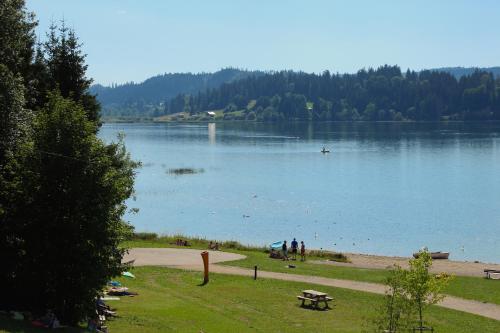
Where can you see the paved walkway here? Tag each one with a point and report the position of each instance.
(191, 260)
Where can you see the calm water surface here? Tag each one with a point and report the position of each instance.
(385, 188)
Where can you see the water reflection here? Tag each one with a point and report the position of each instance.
(211, 133)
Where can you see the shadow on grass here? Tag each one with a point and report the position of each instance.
(204, 283)
(20, 326)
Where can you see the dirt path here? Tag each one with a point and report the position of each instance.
(176, 257)
(190, 260)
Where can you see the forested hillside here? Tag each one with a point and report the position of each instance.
(146, 99)
(382, 94)
(458, 72)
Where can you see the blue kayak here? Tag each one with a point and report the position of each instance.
(277, 245)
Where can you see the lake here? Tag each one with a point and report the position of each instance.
(385, 188)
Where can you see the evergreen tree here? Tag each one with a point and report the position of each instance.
(67, 68)
(62, 190)
(68, 226)
(17, 37)
(428, 95)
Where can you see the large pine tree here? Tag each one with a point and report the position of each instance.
(62, 190)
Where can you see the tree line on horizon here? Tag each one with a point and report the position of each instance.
(382, 94)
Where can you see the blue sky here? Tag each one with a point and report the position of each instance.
(131, 40)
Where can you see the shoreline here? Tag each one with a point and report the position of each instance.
(355, 260)
(371, 261)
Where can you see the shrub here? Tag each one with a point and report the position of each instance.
(335, 256)
(69, 227)
(144, 236)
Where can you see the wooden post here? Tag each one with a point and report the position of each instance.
(255, 273)
(204, 255)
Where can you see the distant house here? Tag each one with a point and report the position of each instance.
(211, 113)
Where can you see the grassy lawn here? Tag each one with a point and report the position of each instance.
(467, 287)
(173, 301)
(461, 286)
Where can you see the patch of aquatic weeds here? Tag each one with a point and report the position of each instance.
(185, 171)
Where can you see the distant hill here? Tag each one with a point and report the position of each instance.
(382, 94)
(151, 98)
(146, 98)
(458, 72)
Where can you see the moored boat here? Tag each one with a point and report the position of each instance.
(435, 255)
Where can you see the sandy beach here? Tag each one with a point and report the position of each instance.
(463, 268)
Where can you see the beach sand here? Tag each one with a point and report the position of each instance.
(463, 268)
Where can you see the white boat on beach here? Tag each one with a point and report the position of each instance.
(435, 255)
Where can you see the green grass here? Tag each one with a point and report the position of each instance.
(174, 301)
(251, 104)
(474, 288)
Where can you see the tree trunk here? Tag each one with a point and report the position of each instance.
(420, 314)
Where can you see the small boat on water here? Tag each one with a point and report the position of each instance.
(435, 255)
(324, 150)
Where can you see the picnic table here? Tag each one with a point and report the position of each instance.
(315, 297)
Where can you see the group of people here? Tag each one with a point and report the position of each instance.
(213, 246)
(294, 248)
(180, 242)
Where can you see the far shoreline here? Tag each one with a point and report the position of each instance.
(105, 120)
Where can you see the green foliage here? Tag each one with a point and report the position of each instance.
(251, 116)
(334, 256)
(410, 292)
(66, 68)
(17, 37)
(62, 190)
(143, 236)
(68, 227)
(231, 107)
(151, 97)
(382, 94)
(424, 289)
(395, 313)
(14, 118)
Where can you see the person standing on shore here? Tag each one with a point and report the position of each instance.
(295, 246)
(285, 250)
(302, 251)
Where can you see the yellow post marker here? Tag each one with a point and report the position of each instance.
(204, 255)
